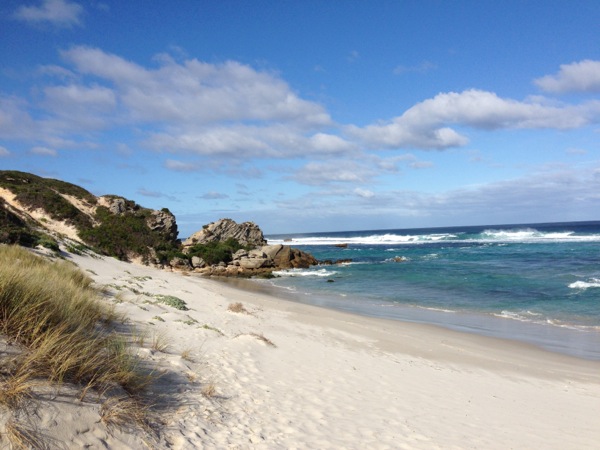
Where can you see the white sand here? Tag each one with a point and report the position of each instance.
(333, 380)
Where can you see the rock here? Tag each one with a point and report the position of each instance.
(257, 254)
(271, 250)
(180, 263)
(341, 245)
(247, 233)
(286, 257)
(330, 262)
(163, 222)
(198, 263)
(254, 263)
(240, 254)
(116, 205)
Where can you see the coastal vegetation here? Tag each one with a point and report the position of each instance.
(125, 235)
(60, 332)
(57, 215)
(110, 225)
(215, 252)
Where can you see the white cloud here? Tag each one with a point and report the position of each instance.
(15, 121)
(426, 125)
(240, 141)
(364, 193)
(81, 108)
(197, 93)
(43, 151)
(532, 198)
(582, 76)
(339, 171)
(4, 152)
(62, 13)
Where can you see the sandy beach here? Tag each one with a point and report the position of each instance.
(272, 374)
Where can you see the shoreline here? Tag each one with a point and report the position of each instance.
(567, 341)
(289, 375)
(434, 340)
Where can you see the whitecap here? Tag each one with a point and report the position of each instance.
(582, 285)
(304, 273)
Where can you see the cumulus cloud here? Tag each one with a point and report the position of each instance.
(78, 107)
(427, 124)
(196, 92)
(61, 13)
(248, 141)
(582, 76)
(4, 152)
(322, 173)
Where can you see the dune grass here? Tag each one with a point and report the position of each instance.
(52, 312)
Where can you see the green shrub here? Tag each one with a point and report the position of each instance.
(125, 234)
(215, 252)
(172, 301)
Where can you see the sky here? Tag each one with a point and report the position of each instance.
(308, 116)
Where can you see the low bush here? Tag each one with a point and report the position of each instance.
(215, 252)
(125, 234)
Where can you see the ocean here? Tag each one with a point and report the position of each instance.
(537, 283)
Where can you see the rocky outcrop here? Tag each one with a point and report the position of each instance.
(262, 261)
(163, 222)
(247, 233)
(286, 257)
(49, 210)
(37, 211)
(116, 205)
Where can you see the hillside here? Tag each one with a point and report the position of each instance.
(42, 211)
(38, 211)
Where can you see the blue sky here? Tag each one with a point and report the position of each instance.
(310, 115)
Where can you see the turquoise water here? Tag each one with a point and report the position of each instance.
(539, 283)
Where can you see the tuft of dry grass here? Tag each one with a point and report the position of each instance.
(209, 390)
(121, 412)
(186, 354)
(237, 308)
(16, 389)
(160, 342)
(21, 437)
(261, 337)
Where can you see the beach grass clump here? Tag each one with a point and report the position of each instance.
(171, 300)
(21, 436)
(120, 412)
(53, 312)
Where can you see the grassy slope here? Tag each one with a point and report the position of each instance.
(52, 312)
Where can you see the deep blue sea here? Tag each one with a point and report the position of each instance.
(538, 283)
